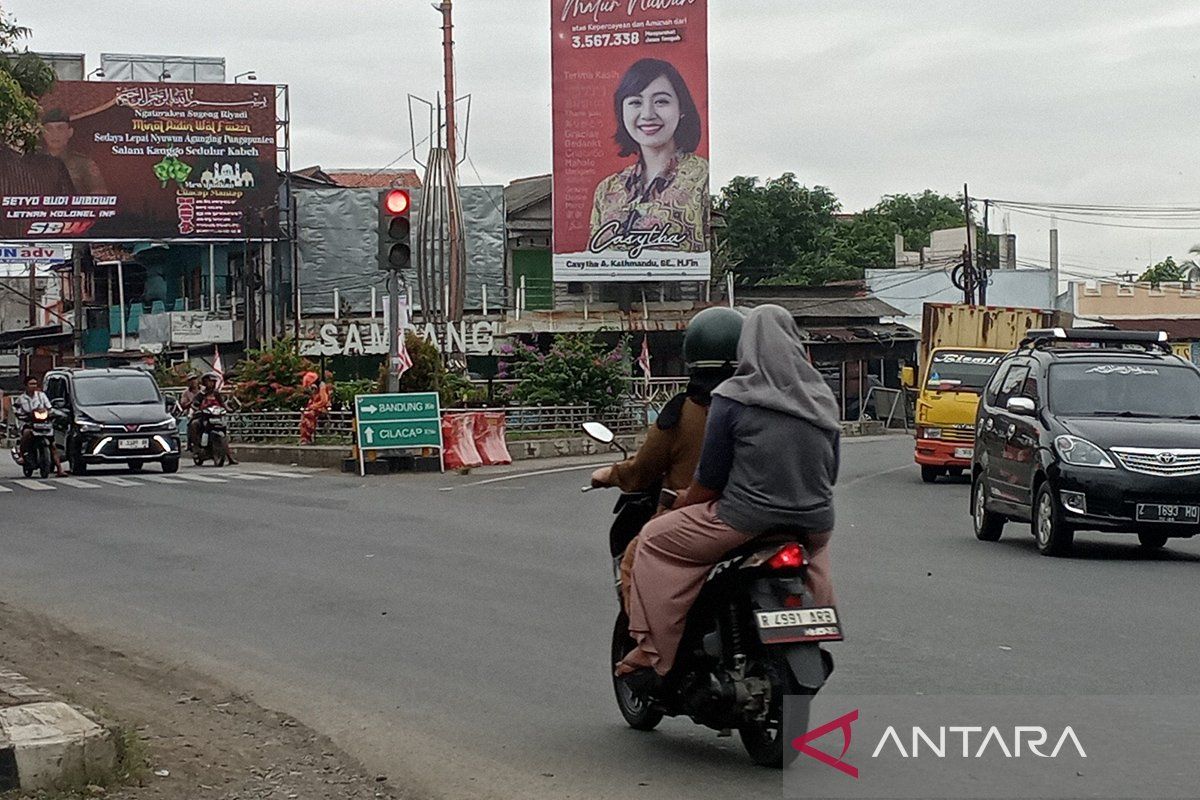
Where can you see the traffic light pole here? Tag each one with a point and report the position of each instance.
(395, 330)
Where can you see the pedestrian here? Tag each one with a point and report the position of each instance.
(318, 405)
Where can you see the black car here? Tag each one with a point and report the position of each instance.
(1089, 430)
(114, 416)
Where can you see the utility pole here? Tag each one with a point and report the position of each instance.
(985, 254)
(33, 306)
(77, 297)
(455, 278)
(969, 275)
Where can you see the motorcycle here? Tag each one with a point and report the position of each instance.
(214, 437)
(38, 453)
(752, 638)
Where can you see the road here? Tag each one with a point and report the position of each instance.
(452, 633)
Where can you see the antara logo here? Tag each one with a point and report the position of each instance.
(976, 741)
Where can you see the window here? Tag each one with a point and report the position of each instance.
(1030, 387)
(993, 388)
(1013, 383)
(1151, 389)
(56, 388)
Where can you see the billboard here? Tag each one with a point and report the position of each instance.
(630, 99)
(135, 161)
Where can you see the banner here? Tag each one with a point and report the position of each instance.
(135, 161)
(630, 97)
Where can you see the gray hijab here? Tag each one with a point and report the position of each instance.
(774, 372)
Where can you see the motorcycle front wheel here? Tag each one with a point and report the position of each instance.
(765, 740)
(44, 461)
(639, 714)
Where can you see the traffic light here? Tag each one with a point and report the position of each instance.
(395, 247)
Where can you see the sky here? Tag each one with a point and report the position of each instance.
(1063, 102)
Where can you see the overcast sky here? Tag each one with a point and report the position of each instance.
(1069, 101)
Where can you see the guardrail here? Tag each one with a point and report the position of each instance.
(284, 426)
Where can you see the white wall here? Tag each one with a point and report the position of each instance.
(909, 289)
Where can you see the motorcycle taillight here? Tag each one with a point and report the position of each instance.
(790, 556)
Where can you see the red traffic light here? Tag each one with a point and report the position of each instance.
(397, 202)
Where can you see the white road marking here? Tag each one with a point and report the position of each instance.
(161, 479)
(199, 478)
(4, 488)
(521, 475)
(246, 476)
(115, 481)
(275, 474)
(37, 486)
(77, 483)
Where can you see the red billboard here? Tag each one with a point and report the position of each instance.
(630, 97)
(135, 161)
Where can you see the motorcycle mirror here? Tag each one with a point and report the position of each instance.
(600, 432)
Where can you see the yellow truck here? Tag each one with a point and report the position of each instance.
(960, 348)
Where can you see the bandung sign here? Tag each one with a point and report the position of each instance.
(133, 161)
(631, 176)
(358, 339)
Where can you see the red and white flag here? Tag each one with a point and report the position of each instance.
(402, 363)
(217, 366)
(643, 360)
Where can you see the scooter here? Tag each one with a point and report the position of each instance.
(752, 638)
(38, 453)
(214, 437)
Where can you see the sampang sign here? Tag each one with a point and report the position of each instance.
(132, 161)
(630, 100)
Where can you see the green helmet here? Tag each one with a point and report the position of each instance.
(711, 339)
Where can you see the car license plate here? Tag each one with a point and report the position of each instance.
(133, 444)
(964, 452)
(1156, 512)
(799, 625)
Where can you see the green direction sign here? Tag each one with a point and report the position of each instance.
(387, 421)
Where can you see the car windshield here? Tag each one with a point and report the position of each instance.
(1124, 390)
(115, 390)
(962, 370)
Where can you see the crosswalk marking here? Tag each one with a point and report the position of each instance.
(200, 478)
(5, 489)
(246, 476)
(115, 481)
(160, 479)
(77, 483)
(37, 486)
(279, 474)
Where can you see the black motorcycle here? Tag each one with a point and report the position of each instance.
(38, 452)
(214, 437)
(751, 639)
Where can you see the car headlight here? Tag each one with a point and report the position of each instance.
(87, 426)
(930, 433)
(1082, 453)
(166, 425)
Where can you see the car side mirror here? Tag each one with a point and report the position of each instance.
(59, 402)
(1021, 406)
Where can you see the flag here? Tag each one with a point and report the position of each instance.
(644, 359)
(217, 366)
(403, 361)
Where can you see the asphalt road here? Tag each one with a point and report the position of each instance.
(453, 633)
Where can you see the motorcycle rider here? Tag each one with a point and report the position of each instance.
(23, 406)
(187, 405)
(769, 463)
(209, 397)
(668, 457)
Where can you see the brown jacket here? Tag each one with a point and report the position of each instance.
(670, 456)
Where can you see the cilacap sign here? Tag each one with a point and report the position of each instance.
(358, 339)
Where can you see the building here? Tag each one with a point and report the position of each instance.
(1173, 307)
(909, 289)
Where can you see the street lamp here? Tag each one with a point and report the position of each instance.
(97, 72)
(250, 76)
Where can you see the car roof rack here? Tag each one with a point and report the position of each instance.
(1048, 337)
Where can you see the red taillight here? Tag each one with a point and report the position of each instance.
(793, 601)
(790, 556)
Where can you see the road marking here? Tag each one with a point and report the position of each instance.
(161, 479)
(37, 486)
(269, 473)
(521, 475)
(77, 483)
(4, 488)
(199, 478)
(115, 481)
(246, 476)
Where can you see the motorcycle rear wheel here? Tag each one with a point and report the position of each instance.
(765, 740)
(638, 714)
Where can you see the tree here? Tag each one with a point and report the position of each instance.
(1163, 271)
(578, 370)
(916, 216)
(23, 79)
(780, 230)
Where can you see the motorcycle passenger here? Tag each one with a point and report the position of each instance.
(187, 405)
(23, 406)
(770, 460)
(210, 397)
(668, 457)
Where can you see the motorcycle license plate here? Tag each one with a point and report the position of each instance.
(964, 452)
(819, 624)
(132, 444)
(1154, 512)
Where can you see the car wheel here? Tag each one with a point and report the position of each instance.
(930, 474)
(1152, 541)
(170, 465)
(1054, 537)
(988, 525)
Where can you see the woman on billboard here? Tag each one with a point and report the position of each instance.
(666, 190)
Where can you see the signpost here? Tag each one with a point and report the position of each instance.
(396, 421)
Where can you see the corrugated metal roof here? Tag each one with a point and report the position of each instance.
(1177, 329)
(525, 192)
(375, 178)
(853, 307)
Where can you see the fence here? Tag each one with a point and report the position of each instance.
(283, 426)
